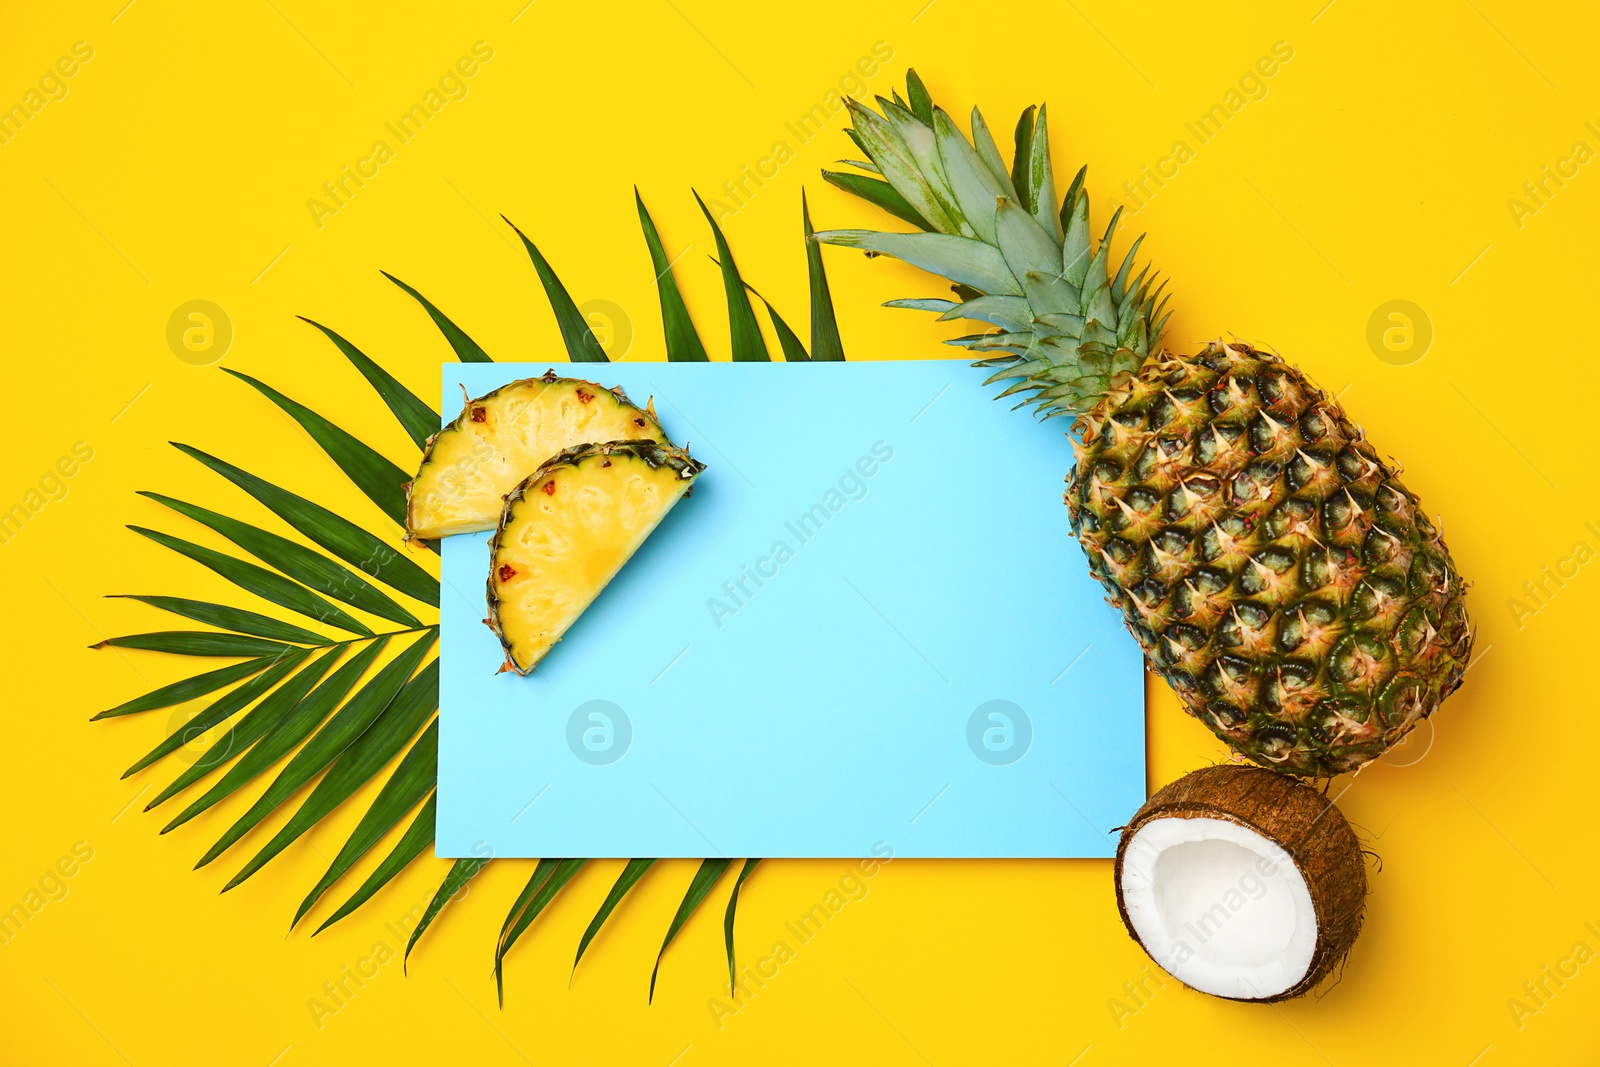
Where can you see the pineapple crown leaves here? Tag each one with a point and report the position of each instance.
(1067, 327)
(341, 699)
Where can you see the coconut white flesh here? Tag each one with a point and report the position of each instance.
(1220, 907)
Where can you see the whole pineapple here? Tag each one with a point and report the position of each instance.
(1273, 567)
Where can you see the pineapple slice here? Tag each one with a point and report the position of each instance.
(469, 466)
(567, 530)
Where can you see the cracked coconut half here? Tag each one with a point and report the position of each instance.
(1242, 883)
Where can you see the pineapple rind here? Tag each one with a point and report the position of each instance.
(567, 529)
(469, 466)
(1273, 567)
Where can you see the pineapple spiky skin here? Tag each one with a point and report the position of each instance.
(567, 529)
(468, 467)
(1273, 567)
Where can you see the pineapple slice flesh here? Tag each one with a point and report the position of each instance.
(469, 466)
(567, 530)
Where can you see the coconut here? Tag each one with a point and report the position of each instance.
(1242, 883)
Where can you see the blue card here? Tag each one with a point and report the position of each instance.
(869, 626)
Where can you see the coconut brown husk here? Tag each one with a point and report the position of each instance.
(1299, 819)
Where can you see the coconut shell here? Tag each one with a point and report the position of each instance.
(1302, 821)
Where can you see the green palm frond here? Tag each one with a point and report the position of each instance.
(418, 836)
(273, 729)
(727, 918)
(418, 419)
(549, 877)
(341, 704)
(467, 350)
(377, 738)
(825, 343)
(683, 341)
(414, 779)
(704, 878)
(794, 351)
(185, 689)
(575, 332)
(311, 569)
(329, 741)
(364, 551)
(266, 584)
(236, 619)
(221, 710)
(629, 877)
(461, 872)
(744, 334)
(374, 474)
(197, 643)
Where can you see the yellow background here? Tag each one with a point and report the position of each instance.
(1378, 166)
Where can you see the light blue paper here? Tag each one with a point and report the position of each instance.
(869, 625)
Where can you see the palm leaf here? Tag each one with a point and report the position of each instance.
(541, 874)
(625, 881)
(368, 754)
(538, 893)
(743, 333)
(377, 477)
(461, 872)
(330, 740)
(825, 343)
(727, 919)
(310, 569)
(683, 340)
(704, 878)
(467, 350)
(579, 338)
(338, 535)
(222, 709)
(413, 779)
(278, 723)
(418, 836)
(824, 326)
(417, 419)
(185, 690)
(197, 643)
(265, 584)
(225, 618)
(794, 350)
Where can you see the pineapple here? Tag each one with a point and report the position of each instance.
(469, 466)
(1275, 570)
(566, 531)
